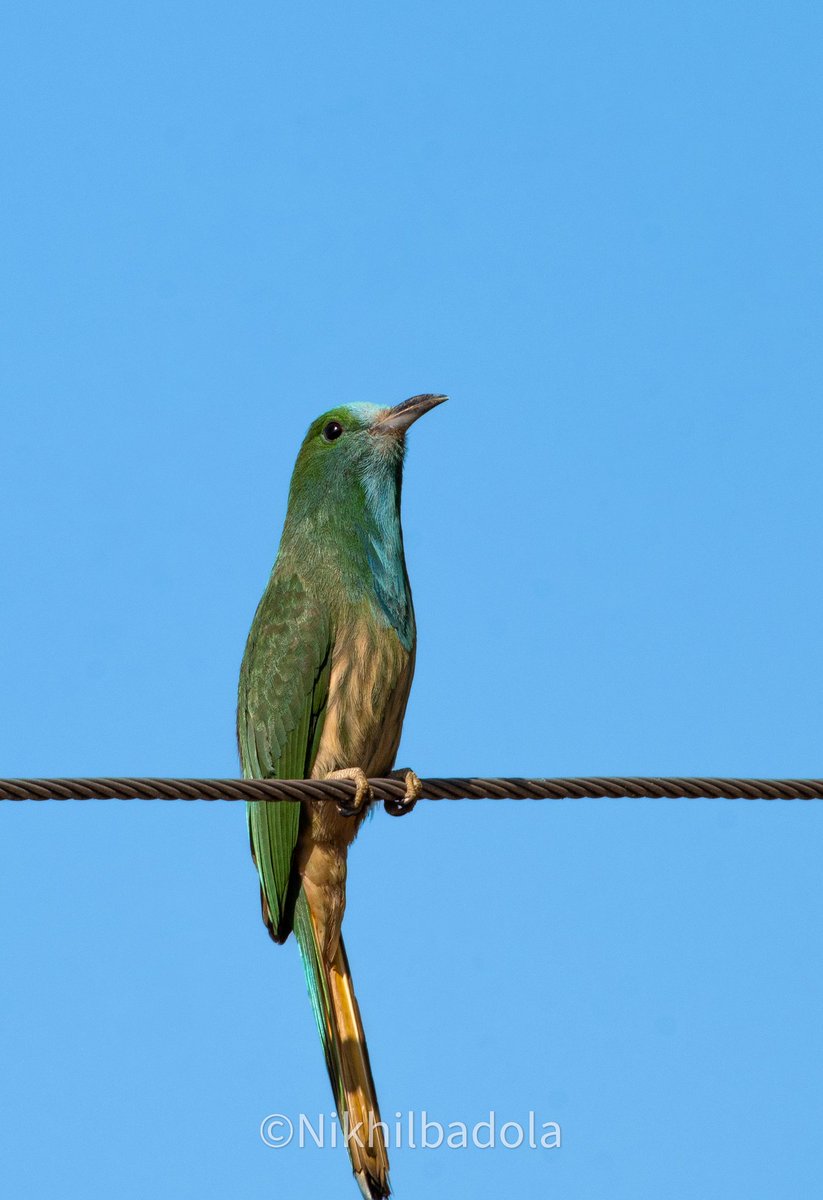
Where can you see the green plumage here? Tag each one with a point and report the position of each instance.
(284, 690)
(323, 689)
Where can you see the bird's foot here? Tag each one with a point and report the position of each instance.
(414, 790)
(362, 791)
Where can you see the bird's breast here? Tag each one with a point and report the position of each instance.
(371, 674)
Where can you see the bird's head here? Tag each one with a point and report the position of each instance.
(356, 448)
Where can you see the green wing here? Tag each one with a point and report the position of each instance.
(284, 688)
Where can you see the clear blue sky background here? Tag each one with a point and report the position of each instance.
(598, 228)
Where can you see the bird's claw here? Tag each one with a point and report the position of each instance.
(414, 790)
(362, 791)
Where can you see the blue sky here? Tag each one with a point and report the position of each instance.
(598, 229)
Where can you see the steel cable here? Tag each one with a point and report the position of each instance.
(593, 787)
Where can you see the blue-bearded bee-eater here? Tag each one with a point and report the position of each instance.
(323, 690)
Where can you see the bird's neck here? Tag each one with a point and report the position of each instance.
(352, 544)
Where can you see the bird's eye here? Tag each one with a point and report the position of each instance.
(332, 431)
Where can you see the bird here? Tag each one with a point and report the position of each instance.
(323, 689)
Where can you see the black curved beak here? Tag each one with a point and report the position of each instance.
(399, 418)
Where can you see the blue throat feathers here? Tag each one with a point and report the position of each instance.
(382, 540)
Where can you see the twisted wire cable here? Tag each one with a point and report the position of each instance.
(590, 787)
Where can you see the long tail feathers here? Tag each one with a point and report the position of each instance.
(344, 1044)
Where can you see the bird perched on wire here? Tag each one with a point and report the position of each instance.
(323, 690)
